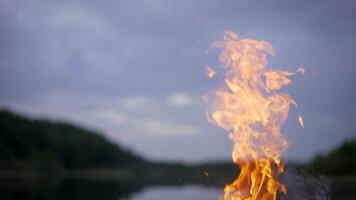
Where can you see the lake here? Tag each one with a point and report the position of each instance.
(54, 189)
(102, 190)
(190, 192)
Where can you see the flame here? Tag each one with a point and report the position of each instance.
(252, 109)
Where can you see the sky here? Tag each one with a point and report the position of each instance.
(135, 69)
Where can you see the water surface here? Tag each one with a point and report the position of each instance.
(102, 190)
(190, 192)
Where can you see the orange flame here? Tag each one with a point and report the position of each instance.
(252, 109)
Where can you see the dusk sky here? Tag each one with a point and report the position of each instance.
(134, 70)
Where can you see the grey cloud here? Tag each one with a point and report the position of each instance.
(54, 54)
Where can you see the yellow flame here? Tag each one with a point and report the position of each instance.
(251, 107)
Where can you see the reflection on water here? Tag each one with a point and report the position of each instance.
(298, 189)
(65, 190)
(178, 193)
(100, 190)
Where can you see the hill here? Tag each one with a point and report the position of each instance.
(339, 161)
(32, 147)
(36, 143)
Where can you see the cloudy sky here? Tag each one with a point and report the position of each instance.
(135, 69)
